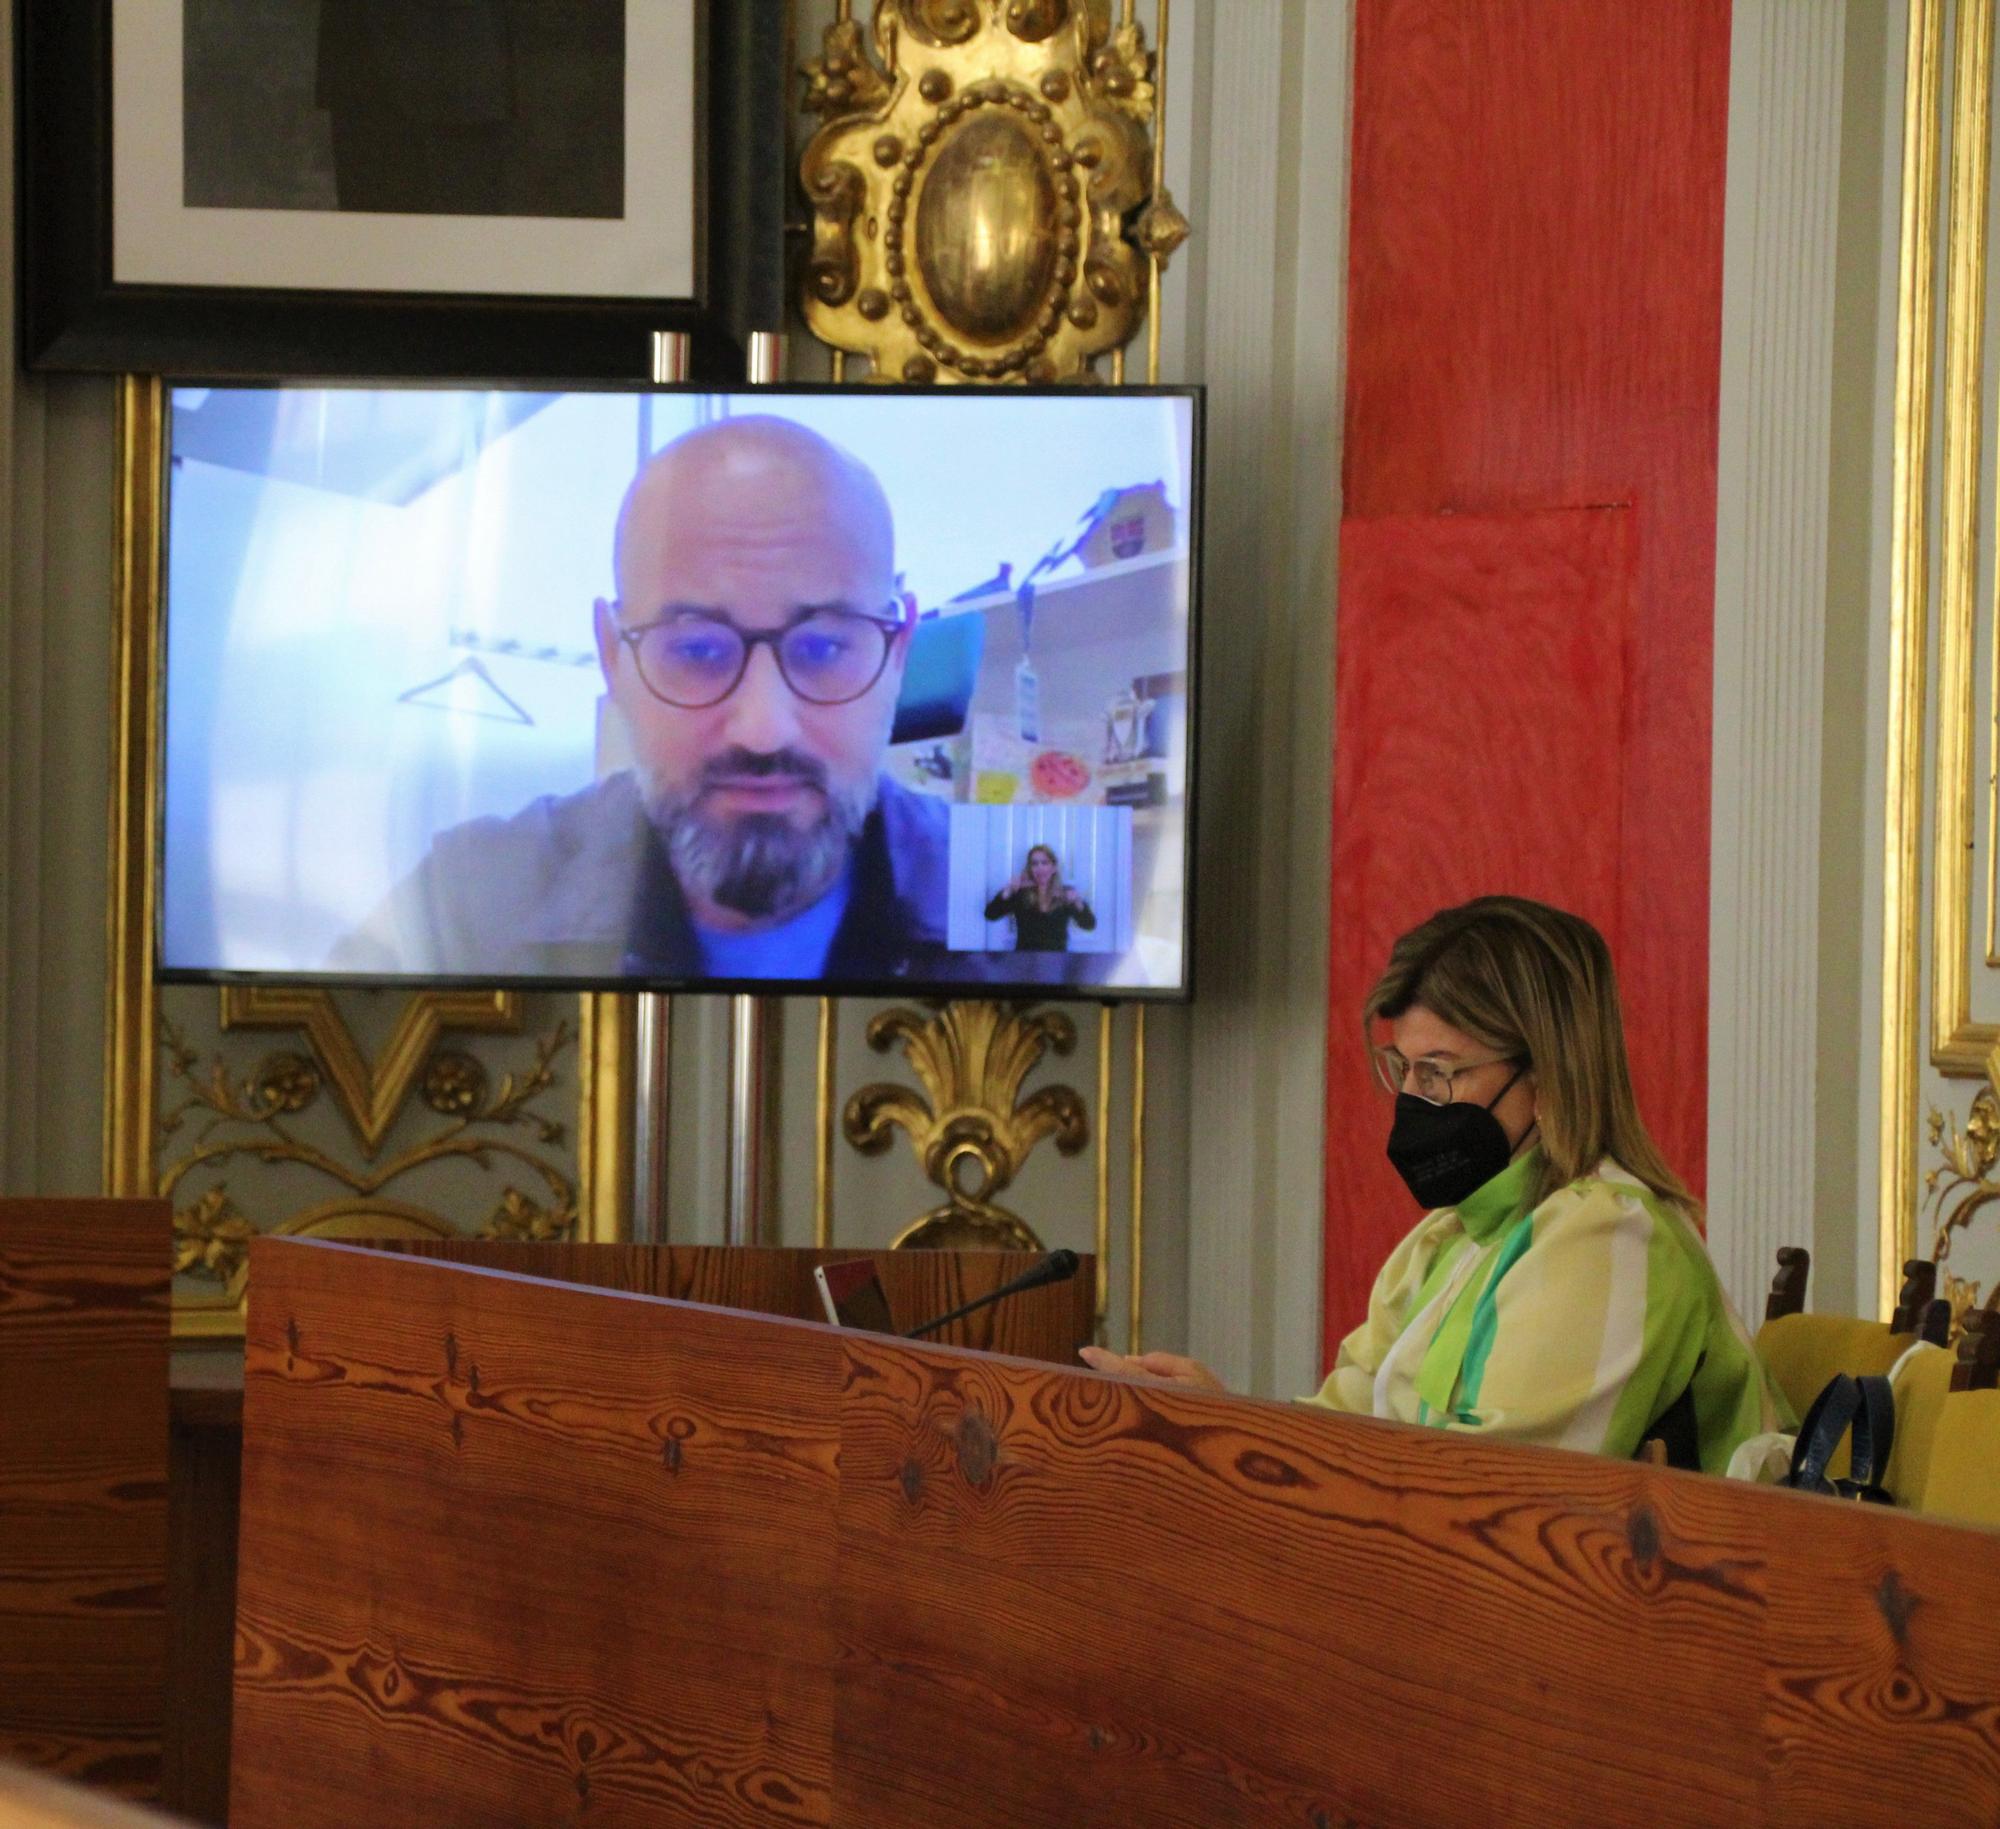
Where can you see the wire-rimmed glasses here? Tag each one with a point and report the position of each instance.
(1430, 1081)
(694, 659)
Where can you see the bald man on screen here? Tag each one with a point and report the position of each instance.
(754, 655)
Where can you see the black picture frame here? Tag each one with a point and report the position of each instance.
(75, 317)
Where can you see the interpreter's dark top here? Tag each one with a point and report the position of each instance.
(1037, 930)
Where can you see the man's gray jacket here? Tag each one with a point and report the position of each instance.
(578, 886)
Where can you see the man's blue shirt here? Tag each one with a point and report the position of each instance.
(793, 949)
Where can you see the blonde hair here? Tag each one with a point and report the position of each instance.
(1536, 985)
(1045, 896)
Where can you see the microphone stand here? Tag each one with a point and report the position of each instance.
(1057, 1267)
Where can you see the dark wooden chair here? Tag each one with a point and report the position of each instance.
(1802, 1351)
(1788, 1287)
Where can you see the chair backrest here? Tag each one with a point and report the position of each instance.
(1788, 1286)
(1803, 1351)
(1921, 1388)
(1947, 1454)
(1919, 1289)
(1978, 1367)
(1962, 1470)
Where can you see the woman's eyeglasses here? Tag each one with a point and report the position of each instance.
(827, 657)
(1425, 1078)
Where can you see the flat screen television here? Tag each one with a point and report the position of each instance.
(869, 690)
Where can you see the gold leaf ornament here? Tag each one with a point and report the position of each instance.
(519, 1218)
(211, 1238)
(1960, 1188)
(842, 79)
(285, 1083)
(941, 22)
(972, 1059)
(1161, 227)
(1123, 69)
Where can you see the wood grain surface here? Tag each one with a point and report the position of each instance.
(1534, 331)
(525, 1552)
(1047, 1323)
(522, 1552)
(83, 1487)
(206, 1477)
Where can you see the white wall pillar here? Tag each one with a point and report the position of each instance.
(1771, 601)
(1267, 298)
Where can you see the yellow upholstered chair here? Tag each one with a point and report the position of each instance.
(1921, 1388)
(1804, 1352)
(1961, 1461)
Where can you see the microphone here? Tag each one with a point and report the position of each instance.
(1057, 1267)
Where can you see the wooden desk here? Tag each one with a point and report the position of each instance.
(206, 1460)
(520, 1552)
(207, 1433)
(83, 1487)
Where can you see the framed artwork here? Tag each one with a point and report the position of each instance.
(502, 189)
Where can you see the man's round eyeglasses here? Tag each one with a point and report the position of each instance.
(1425, 1078)
(693, 659)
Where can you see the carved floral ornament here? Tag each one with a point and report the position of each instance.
(981, 189)
(225, 1121)
(971, 1058)
(1958, 1189)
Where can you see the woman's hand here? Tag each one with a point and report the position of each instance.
(1152, 1368)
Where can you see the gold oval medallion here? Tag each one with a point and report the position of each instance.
(986, 228)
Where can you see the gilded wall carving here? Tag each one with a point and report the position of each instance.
(1941, 966)
(984, 190)
(414, 1140)
(1959, 1188)
(972, 1059)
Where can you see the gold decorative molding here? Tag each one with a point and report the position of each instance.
(251, 1121)
(607, 1049)
(1958, 1189)
(135, 700)
(249, 1118)
(972, 1058)
(1959, 1045)
(339, 1219)
(370, 1094)
(1909, 608)
(985, 201)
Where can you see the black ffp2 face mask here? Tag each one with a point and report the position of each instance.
(1446, 1152)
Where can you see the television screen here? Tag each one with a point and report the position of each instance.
(776, 689)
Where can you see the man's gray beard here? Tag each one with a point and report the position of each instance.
(758, 864)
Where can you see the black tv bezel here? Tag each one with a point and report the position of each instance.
(948, 989)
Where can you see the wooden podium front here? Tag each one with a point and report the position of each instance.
(519, 1552)
(83, 1488)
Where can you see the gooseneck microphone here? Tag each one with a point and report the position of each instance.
(1057, 1267)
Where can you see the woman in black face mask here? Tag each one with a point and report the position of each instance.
(1557, 1290)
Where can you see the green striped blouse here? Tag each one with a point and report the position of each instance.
(1574, 1324)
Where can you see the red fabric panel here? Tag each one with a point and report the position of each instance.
(1534, 323)
(1516, 788)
